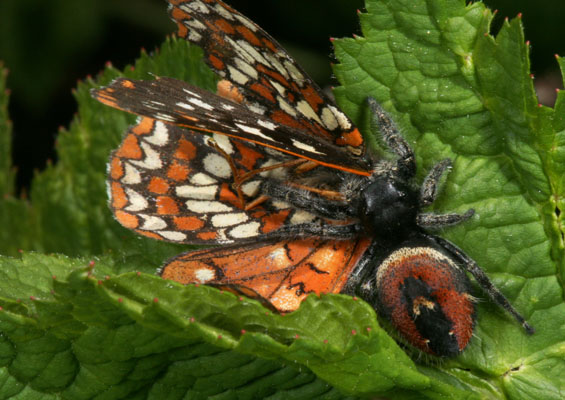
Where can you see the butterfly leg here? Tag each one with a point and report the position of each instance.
(393, 139)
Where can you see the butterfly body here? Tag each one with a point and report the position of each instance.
(279, 176)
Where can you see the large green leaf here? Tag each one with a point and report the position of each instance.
(76, 329)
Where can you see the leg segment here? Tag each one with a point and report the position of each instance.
(431, 221)
(430, 187)
(483, 280)
(393, 139)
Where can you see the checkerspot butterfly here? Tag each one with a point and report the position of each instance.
(274, 171)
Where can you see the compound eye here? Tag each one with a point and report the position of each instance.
(425, 296)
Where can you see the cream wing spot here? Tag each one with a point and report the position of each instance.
(201, 104)
(197, 192)
(329, 120)
(223, 220)
(223, 143)
(223, 12)
(307, 111)
(132, 175)
(197, 6)
(173, 236)
(246, 22)
(185, 106)
(267, 124)
(202, 179)
(195, 24)
(253, 131)
(216, 165)
(246, 230)
(246, 68)
(151, 160)
(137, 202)
(286, 107)
(237, 76)
(342, 119)
(204, 275)
(204, 206)
(152, 223)
(304, 146)
(160, 135)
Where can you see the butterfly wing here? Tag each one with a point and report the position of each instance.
(182, 104)
(171, 184)
(267, 77)
(281, 274)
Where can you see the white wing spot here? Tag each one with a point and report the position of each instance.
(246, 230)
(191, 93)
(195, 24)
(202, 179)
(302, 217)
(294, 72)
(197, 6)
(237, 76)
(223, 220)
(151, 160)
(253, 131)
(246, 22)
(137, 201)
(246, 68)
(201, 104)
(203, 206)
(185, 106)
(217, 165)
(304, 146)
(197, 192)
(253, 52)
(204, 275)
(223, 143)
(160, 136)
(152, 223)
(342, 119)
(223, 12)
(227, 107)
(329, 120)
(286, 107)
(280, 88)
(266, 124)
(250, 188)
(173, 236)
(307, 111)
(164, 117)
(132, 175)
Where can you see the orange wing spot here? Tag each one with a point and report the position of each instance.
(228, 91)
(207, 235)
(104, 97)
(179, 14)
(166, 205)
(119, 198)
(185, 150)
(270, 45)
(353, 138)
(263, 91)
(158, 185)
(130, 148)
(116, 168)
(283, 118)
(216, 62)
(144, 127)
(188, 223)
(182, 30)
(248, 35)
(126, 219)
(249, 156)
(312, 97)
(178, 171)
(126, 83)
(273, 74)
(151, 235)
(274, 221)
(224, 26)
(227, 195)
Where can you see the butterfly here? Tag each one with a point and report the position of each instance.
(273, 171)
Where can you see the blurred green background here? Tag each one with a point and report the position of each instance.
(49, 45)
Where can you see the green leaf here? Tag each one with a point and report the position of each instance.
(461, 93)
(85, 329)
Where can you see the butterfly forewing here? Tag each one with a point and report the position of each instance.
(172, 184)
(268, 78)
(177, 102)
(281, 273)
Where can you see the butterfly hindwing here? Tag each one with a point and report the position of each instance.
(172, 184)
(280, 273)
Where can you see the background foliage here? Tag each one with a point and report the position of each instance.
(85, 327)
